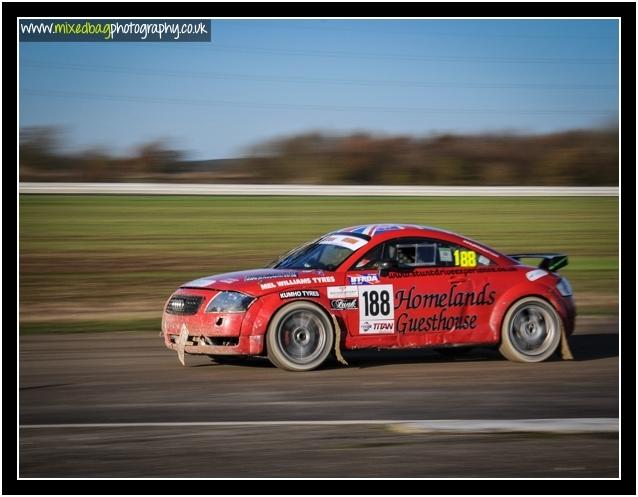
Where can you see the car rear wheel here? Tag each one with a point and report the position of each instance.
(300, 337)
(531, 331)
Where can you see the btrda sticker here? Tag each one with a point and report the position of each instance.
(363, 279)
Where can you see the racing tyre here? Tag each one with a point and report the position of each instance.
(300, 337)
(530, 331)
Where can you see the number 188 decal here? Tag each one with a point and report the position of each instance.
(465, 258)
(376, 309)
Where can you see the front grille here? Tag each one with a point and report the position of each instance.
(184, 304)
(222, 341)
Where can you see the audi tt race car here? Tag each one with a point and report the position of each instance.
(385, 286)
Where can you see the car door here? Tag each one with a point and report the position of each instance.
(431, 293)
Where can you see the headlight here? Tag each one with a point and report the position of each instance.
(229, 302)
(564, 287)
(184, 304)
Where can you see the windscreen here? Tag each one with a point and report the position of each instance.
(328, 253)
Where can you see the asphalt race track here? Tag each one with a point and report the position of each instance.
(125, 396)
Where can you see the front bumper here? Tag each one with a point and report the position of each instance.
(209, 333)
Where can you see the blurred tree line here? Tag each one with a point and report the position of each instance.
(42, 158)
(579, 158)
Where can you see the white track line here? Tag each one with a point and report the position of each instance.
(562, 425)
(318, 190)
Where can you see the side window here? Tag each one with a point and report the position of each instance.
(422, 252)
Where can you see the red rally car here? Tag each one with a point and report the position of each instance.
(390, 286)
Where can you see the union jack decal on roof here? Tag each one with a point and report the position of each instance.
(372, 229)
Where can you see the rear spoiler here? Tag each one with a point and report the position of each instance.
(550, 262)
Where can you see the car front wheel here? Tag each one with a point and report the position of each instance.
(531, 331)
(300, 337)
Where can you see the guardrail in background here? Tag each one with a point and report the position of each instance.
(318, 190)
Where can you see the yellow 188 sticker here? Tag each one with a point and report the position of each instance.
(465, 258)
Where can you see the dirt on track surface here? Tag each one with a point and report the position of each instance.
(131, 378)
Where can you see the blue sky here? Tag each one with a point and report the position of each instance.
(260, 79)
